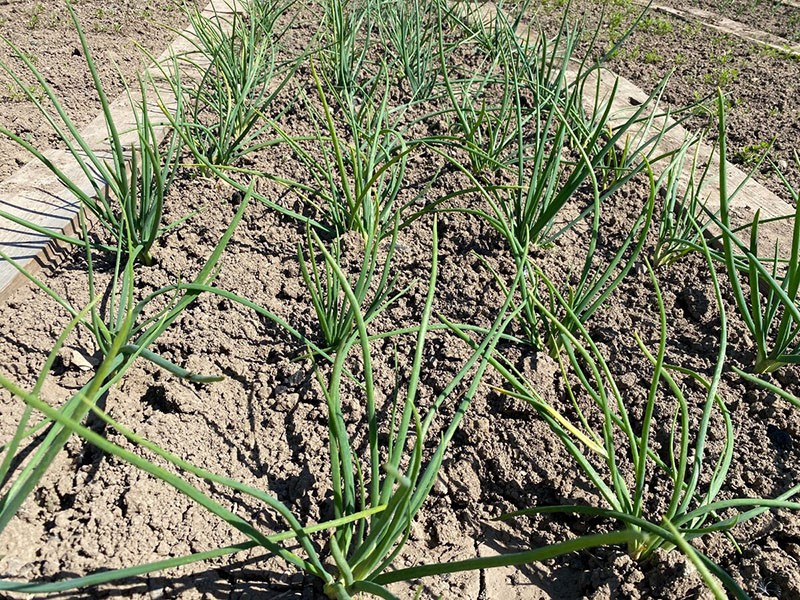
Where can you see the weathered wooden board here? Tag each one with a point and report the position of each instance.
(35, 194)
(729, 26)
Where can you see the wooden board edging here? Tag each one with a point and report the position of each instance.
(729, 26)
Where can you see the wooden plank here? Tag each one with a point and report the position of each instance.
(752, 197)
(35, 194)
(729, 26)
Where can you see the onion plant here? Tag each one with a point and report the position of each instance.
(335, 313)
(493, 133)
(771, 306)
(346, 34)
(546, 177)
(559, 149)
(597, 279)
(66, 421)
(123, 331)
(357, 174)
(619, 459)
(491, 27)
(561, 145)
(397, 471)
(684, 205)
(409, 31)
(234, 80)
(489, 131)
(127, 189)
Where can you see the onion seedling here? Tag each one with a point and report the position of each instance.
(346, 33)
(489, 131)
(560, 145)
(683, 206)
(128, 190)
(771, 308)
(596, 282)
(398, 473)
(335, 313)
(559, 149)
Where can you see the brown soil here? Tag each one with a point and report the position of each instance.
(265, 424)
(772, 17)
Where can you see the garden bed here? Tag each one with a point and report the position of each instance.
(44, 32)
(759, 82)
(267, 424)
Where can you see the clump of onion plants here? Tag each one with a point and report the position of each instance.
(539, 148)
(409, 31)
(769, 303)
(490, 131)
(598, 277)
(395, 473)
(234, 78)
(683, 204)
(373, 289)
(123, 187)
(357, 172)
(346, 34)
